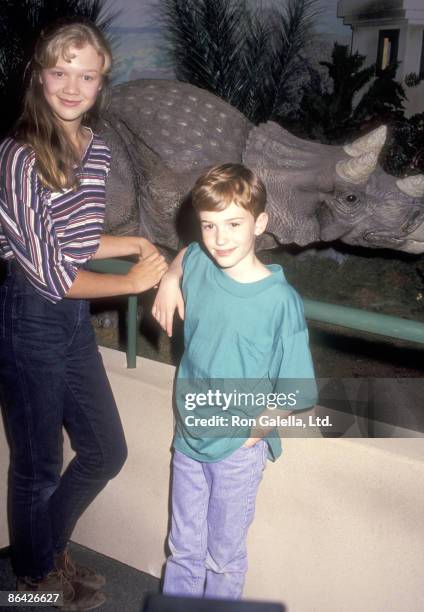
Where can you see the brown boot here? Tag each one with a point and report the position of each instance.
(78, 573)
(76, 598)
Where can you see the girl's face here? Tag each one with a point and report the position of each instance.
(72, 85)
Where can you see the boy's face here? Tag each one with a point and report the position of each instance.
(229, 235)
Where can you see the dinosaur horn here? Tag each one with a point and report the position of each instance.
(412, 185)
(358, 169)
(374, 141)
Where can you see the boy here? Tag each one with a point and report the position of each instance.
(244, 328)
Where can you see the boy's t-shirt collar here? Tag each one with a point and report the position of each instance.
(248, 289)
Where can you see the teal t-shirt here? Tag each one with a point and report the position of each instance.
(243, 342)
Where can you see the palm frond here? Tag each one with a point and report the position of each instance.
(257, 70)
(238, 54)
(293, 30)
(205, 42)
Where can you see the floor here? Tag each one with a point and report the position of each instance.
(126, 587)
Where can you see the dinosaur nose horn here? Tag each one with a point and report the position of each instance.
(412, 185)
(372, 142)
(358, 169)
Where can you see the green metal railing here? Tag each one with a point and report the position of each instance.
(322, 312)
(120, 266)
(363, 320)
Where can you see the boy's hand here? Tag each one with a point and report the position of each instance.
(251, 442)
(146, 248)
(168, 298)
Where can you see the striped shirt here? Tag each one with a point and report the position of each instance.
(51, 234)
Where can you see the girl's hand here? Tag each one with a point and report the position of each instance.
(168, 298)
(147, 272)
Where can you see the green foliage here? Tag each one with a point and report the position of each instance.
(336, 114)
(20, 25)
(383, 101)
(412, 79)
(206, 44)
(249, 59)
(405, 152)
(255, 61)
(341, 113)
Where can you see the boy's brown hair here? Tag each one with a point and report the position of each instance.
(226, 184)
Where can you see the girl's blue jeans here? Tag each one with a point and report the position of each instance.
(52, 376)
(213, 505)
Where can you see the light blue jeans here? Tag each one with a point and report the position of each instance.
(213, 505)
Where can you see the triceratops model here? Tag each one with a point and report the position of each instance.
(164, 134)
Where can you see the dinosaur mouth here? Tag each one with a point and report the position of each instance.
(413, 243)
(410, 238)
(382, 239)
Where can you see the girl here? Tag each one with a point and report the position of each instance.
(52, 200)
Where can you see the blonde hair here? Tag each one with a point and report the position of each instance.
(37, 126)
(226, 184)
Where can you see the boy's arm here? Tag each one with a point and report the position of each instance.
(169, 296)
(257, 433)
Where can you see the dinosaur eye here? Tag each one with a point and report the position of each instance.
(348, 203)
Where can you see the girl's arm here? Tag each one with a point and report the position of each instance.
(34, 243)
(142, 276)
(119, 246)
(169, 296)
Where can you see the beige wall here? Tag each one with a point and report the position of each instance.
(413, 47)
(339, 523)
(415, 99)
